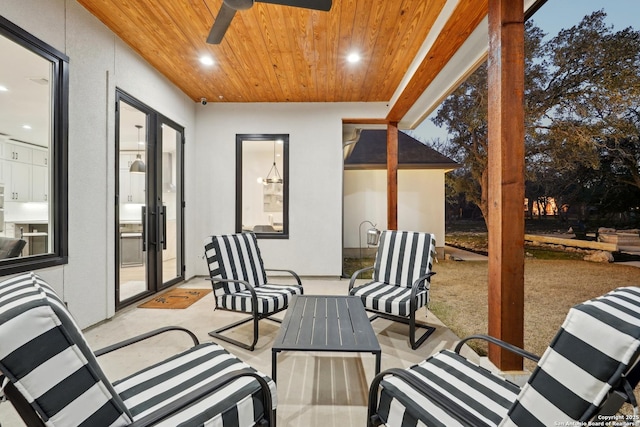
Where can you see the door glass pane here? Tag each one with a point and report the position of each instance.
(132, 162)
(171, 265)
(26, 124)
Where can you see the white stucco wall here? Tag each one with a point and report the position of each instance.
(314, 247)
(420, 202)
(365, 199)
(99, 62)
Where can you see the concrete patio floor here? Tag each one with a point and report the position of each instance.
(314, 389)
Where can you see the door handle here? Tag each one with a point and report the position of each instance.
(144, 228)
(162, 227)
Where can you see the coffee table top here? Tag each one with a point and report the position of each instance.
(326, 323)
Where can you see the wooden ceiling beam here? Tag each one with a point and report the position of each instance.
(465, 18)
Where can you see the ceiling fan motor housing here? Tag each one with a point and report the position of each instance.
(239, 4)
(230, 7)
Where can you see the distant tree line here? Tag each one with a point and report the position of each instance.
(582, 123)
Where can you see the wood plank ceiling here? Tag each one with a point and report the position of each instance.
(274, 53)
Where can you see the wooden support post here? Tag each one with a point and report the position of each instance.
(506, 179)
(392, 176)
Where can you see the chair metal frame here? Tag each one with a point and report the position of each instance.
(411, 319)
(255, 316)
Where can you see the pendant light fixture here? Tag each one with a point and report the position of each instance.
(138, 165)
(276, 178)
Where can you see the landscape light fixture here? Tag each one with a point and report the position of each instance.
(138, 165)
(373, 235)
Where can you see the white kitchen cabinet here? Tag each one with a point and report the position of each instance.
(16, 152)
(40, 184)
(17, 181)
(24, 172)
(132, 185)
(126, 160)
(137, 187)
(40, 157)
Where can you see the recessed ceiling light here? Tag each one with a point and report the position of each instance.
(26, 127)
(353, 57)
(206, 60)
(3, 89)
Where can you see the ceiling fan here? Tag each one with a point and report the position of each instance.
(229, 8)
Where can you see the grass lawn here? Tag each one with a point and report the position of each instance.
(459, 295)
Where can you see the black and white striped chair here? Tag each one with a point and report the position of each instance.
(51, 376)
(401, 280)
(240, 282)
(589, 370)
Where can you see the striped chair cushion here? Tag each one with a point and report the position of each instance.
(237, 404)
(235, 256)
(271, 298)
(471, 389)
(44, 354)
(598, 342)
(403, 256)
(389, 299)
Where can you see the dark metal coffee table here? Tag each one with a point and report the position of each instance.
(325, 323)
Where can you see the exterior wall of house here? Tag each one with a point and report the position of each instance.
(420, 203)
(314, 247)
(365, 199)
(99, 62)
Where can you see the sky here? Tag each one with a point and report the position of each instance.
(555, 15)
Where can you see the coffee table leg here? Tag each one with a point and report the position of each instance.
(378, 357)
(274, 365)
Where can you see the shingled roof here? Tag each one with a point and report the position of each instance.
(370, 152)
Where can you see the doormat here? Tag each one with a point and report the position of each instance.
(176, 298)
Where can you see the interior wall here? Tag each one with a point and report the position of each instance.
(314, 246)
(420, 203)
(99, 62)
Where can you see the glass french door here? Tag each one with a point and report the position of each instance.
(149, 243)
(170, 202)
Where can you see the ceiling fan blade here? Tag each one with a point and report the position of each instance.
(324, 5)
(220, 25)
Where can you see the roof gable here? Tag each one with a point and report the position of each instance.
(370, 152)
